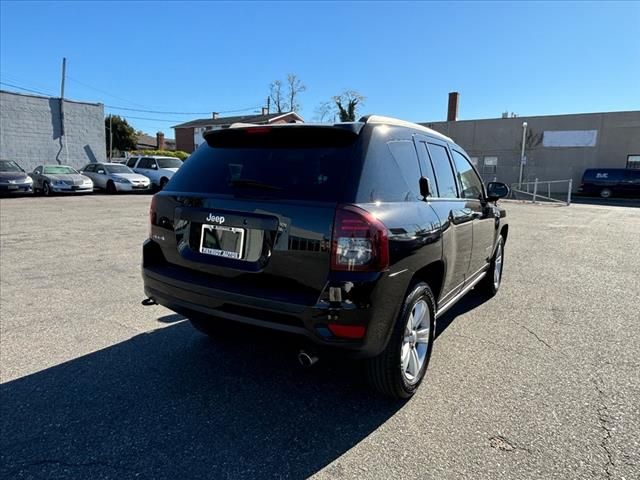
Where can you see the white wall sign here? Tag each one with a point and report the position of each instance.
(570, 138)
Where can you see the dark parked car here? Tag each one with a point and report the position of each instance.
(13, 179)
(357, 236)
(610, 182)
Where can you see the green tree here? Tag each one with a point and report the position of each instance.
(124, 135)
(347, 104)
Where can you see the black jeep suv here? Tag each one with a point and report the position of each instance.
(357, 236)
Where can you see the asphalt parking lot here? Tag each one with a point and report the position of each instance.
(543, 381)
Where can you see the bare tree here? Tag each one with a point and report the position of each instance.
(275, 92)
(347, 104)
(286, 102)
(296, 87)
(325, 112)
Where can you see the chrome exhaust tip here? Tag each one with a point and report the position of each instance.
(306, 359)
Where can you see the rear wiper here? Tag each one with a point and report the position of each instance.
(253, 184)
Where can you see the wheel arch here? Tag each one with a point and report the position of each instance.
(433, 275)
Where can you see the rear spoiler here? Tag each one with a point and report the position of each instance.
(290, 135)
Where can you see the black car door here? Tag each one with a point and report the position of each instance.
(455, 218)
(484, 220)
(630, 184)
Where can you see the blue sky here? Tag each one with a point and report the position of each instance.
(530, 58)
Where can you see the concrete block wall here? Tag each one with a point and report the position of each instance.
(30, 131)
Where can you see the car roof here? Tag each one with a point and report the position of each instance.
(356, 126)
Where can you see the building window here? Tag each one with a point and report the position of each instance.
(474, 161)
(490, 164)
(633, 161)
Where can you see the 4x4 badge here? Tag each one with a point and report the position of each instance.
(215, 218)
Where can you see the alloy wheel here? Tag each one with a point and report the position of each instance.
(415, 343)
(497, 267)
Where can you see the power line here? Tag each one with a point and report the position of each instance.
(178, 113)
(27, 89)
(153, 119)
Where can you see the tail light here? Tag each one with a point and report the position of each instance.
(152, 214)
(360, 241)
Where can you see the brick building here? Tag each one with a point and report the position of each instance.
(189, 134)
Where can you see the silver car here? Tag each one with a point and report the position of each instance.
(115, 177)
(50, 179)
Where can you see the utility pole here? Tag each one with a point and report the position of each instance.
(268, 104)
(524, 133)
(62, 132)
(110, 137)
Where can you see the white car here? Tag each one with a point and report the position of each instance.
(157, 169)
(115, 177)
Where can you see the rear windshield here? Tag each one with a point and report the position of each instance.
(289, 165)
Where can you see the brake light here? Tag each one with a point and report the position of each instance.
(360, 241)
(255, 130)
(152, 214)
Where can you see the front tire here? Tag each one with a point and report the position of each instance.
(163, 182)
(111, 188)
(46, 189)
(399, 370)
(491, 282)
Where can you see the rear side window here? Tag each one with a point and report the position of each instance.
(444, 174)
(471, 186)
(132, 162)
(391, 171)
(288, 164)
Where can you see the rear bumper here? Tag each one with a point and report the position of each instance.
(173, 288)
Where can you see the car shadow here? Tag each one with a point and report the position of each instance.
(467, 303)
(171, 403)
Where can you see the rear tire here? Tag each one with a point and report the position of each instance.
(399, 370)
(491, 282)
(606, 193)
(111, 188)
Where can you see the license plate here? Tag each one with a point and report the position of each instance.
(222, 241)
(12, 187)
(75, 187)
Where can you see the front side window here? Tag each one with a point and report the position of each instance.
(89, 168)
(444, 174)
(146, 163)
(470, 183)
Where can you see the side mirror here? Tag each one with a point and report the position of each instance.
(496, 191)
(154, 166)
(101, 172)
(425, 187)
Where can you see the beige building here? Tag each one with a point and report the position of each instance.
(557, 147)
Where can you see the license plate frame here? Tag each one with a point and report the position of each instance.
(235, 254)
